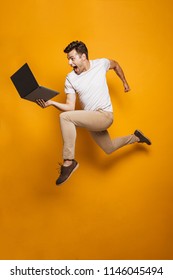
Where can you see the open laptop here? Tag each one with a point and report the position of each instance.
(27, 86)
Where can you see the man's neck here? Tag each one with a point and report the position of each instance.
(87, 65)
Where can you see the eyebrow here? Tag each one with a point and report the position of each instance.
(70, 56)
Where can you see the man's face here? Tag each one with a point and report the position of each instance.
(76, 61)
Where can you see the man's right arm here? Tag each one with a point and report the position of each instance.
(68, 106)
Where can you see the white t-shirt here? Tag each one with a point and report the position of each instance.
(91, 86)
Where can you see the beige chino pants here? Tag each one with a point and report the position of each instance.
(97, 123)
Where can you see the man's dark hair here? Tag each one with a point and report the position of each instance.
(79, 46)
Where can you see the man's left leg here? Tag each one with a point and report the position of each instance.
(108, 145)
(103, 140)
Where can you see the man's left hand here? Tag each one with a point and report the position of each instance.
(126, 88)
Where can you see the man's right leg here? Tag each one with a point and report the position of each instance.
(68, 131)
(91, 120)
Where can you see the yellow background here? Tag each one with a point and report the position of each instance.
(113, 207)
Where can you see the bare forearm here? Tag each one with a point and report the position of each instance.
(62, 106)
(68, 106)
(118, 70)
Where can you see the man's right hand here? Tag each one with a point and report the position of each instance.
(68, 106)
(43, 104)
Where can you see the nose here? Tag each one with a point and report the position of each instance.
(70, 62)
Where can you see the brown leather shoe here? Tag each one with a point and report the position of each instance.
(66, 172)
(142, 137)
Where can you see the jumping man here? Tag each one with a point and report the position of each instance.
(88, 81)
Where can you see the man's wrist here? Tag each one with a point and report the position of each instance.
(51, 102)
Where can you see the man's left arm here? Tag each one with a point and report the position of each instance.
(118, 70)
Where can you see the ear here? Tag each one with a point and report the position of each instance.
(84, 56)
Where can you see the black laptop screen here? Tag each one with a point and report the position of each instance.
(24, 81)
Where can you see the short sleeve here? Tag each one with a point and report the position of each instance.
(68, 87)
(106, 64)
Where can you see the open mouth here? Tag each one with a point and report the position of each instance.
(76, 69)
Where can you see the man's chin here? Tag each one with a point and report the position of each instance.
(77, 71)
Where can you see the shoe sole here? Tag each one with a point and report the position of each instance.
(148, 142)
(69, 175)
